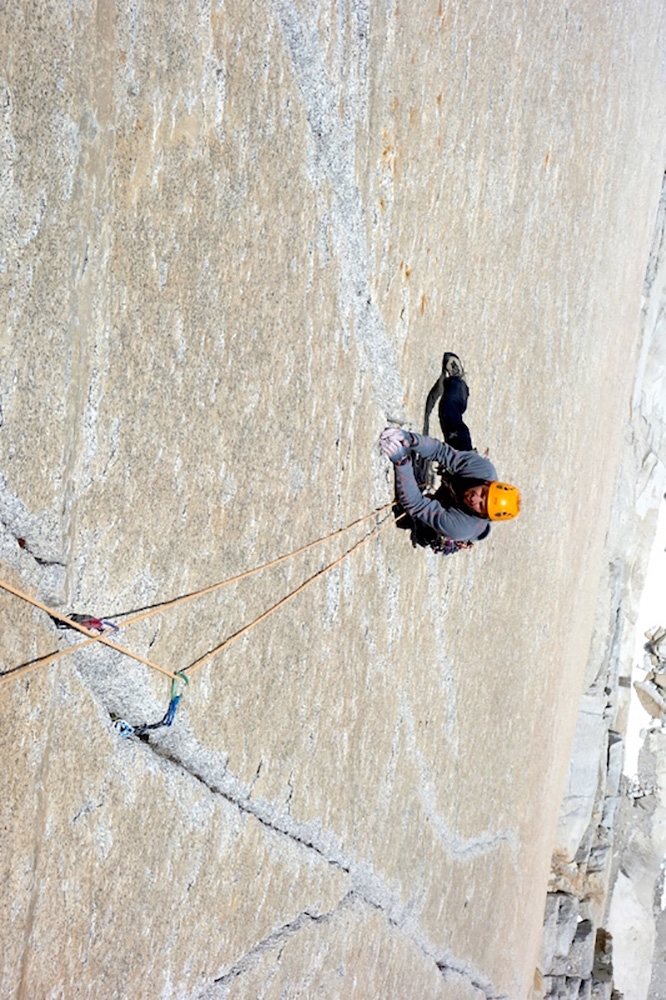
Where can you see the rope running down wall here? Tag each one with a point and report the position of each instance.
(93, 637)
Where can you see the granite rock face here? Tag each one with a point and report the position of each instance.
(609, 841)
(236, 239)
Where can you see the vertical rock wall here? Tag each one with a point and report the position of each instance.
(602, 826)
(236, 239)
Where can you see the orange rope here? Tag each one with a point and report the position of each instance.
(79, 628)
(44, 661)
(243, 631)
(250, 572)
(92, 637)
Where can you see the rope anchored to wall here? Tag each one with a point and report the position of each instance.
(99, 629)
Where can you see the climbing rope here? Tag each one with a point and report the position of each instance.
(284, 600)
(92, 637)
(251, 572)
(44, 661)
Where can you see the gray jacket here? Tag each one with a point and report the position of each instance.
(449, 521)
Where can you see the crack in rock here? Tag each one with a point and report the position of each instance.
(276, 939)
(367, 888)
(119, 692)
(334, 141)
(449, 968)
(232, 791)
(31, 544)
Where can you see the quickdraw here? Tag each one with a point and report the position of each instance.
(124, 728)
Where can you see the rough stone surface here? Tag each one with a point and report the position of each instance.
(593, 871)
(236, 239)
(636, 898)
(650, 697)
(586, 772)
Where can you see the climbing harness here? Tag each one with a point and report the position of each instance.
(422, 535)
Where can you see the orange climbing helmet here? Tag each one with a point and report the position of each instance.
(503, 501)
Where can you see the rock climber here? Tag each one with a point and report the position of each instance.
(470, 495)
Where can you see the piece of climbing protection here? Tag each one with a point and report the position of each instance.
(87, 621)
(125, 730)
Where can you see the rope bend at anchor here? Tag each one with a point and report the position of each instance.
(85, 623)
(125, 730)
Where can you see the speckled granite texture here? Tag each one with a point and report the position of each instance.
(236, 239)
